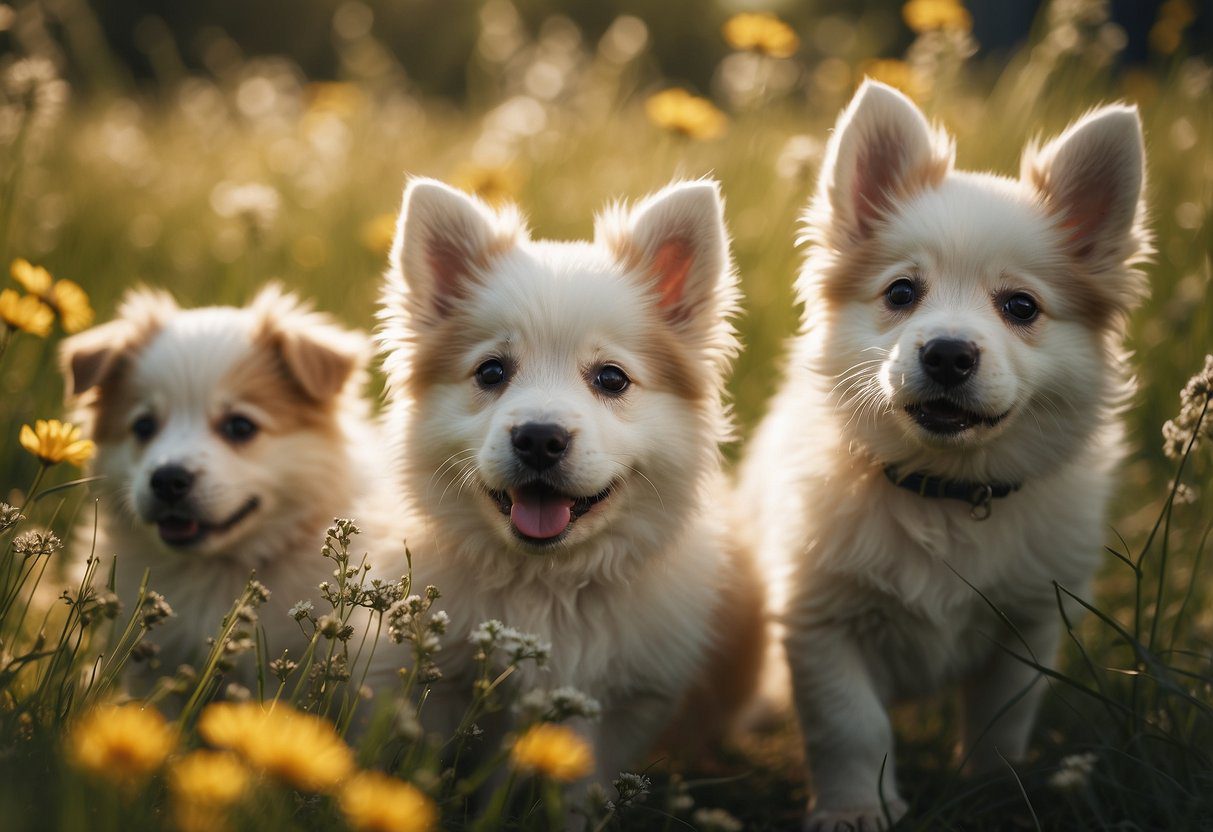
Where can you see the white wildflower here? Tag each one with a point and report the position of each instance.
(632, 788)
(1074, 772)
(253, 203)
(1193, 423)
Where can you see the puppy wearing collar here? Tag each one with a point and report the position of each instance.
(943, 448)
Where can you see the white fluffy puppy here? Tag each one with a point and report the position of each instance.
(228, 440)
(947, 428)
(559, 408)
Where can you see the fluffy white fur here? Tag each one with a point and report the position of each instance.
(628, 596)
(870, 583)
(187, 371)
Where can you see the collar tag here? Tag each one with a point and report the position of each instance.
(981, 501)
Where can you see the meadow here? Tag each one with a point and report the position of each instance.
(211, 184)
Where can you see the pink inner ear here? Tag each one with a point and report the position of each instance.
(1085, 211)
(448, 263)
(671, 265)
(876, 170)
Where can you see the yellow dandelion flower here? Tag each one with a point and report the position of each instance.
(379, 232)
(374, 802)
(677, 111)
(34, 279)
(63, 297)
(25, 312)
(300, 749)
(930, 15)
(1167, 33)
(761, 32)
(553, 751)
(897, 74)
(212, 778)
(494, 184)
(53, 442)
(123, 744)
(71, 302)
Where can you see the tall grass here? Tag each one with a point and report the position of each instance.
(210, 185)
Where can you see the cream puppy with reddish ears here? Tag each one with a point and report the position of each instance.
(228, 440)
(947, 428)
(559, 409)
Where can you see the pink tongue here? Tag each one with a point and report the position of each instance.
(540, 517)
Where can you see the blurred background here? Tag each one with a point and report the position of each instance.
(446, 48)
(209, 147)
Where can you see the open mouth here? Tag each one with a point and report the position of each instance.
(947, 418)
(541, 515)
(181, 530)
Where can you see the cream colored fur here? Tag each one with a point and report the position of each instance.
(874, 589)
(628, 596)
(178, 367)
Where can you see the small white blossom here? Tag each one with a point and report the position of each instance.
(1074, 772)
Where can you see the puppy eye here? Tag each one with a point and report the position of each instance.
(1020, 308)
(237, 428)
(144, 428)
(612, 379)
(491, 373)
(901, 294)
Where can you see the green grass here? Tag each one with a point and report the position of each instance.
(118, 190)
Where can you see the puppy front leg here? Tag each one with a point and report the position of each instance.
(625, 733)
(628, 730)
(989, 733)
(847, 733)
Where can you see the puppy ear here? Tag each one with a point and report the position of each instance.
(319, 356)
(90, 358)
(882, 150)
(1091, 178)
(677, 240)
(322, 359)
(95, 356)
(445, 239)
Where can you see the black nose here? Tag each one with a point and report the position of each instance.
(171, 482)
(949, 361)
(539, 445)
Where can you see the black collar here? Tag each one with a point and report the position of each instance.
(977, 494)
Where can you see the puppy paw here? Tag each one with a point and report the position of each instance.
(867, 819)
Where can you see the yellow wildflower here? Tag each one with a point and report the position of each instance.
(929, 15)
(553, 751)
(123, 744)
(62, 296)
(53, 442)
(34, 279)
(761, 32)
(374, 802)
(204, 784)
(687, 115)
(379, 232)
(215, 778)
(300, 749)
(495, 184)
(897, 74)
(25, 312)
(71, 302)
(1174, 16)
